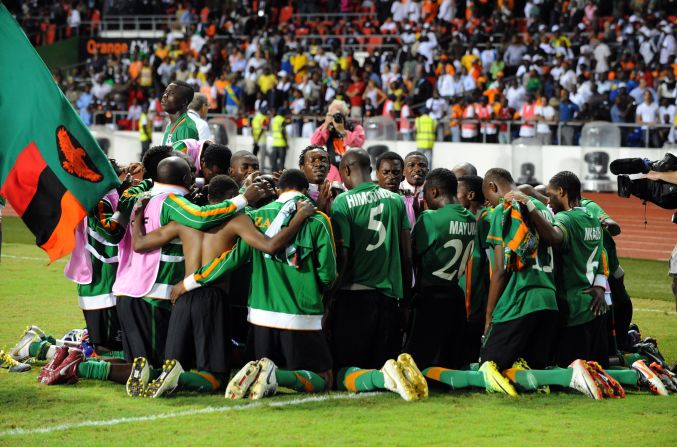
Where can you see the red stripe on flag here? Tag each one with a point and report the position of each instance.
(21, 184)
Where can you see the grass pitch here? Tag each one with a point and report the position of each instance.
(99, 413)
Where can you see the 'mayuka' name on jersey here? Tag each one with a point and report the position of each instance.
(463, 228)
(367, 197)
(593, 234)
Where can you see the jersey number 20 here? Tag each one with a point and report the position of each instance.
(457, 245)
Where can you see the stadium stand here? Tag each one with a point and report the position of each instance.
(544, 67)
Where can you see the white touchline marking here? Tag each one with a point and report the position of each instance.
(206, 410)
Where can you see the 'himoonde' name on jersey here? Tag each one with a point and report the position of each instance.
(367, 197)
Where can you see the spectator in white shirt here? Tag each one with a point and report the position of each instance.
(647, 113)
(447, 10)
(399, 11)
(74, 20)
(414, 10)
(601, 54)
(667, 45)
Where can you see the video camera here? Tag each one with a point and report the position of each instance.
(658, 192)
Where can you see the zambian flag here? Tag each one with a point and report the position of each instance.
(51, 168)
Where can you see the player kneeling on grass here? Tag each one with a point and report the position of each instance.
(443, 240)
(285, 306)
(581, 265)
(198, 332)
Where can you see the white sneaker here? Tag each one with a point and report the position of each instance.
(20, 351)
(649, 378)
(38, 331)
(239, 385)
(138, 378)
(168, 380)
(582, 381)
(266, 383)
(396, 381)
(413, 375)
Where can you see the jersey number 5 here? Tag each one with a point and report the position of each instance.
(377, 226)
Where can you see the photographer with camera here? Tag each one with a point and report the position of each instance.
(658, 187)
(337, 134)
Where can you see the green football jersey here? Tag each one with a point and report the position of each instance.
(103, 252)
(478, 270)
(444, 240)
(607, 239)
(183, 129)
(580, 258)
(282, 295)
(531, 288)
(367, 220)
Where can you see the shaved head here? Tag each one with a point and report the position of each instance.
(174, 171)
(355, 168)
(464, 169)
(356, 158)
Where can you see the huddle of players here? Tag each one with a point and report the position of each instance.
(418, 265)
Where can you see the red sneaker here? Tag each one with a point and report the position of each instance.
(59, 356)
(67, 371)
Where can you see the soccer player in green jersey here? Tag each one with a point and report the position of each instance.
(621, 309)
(374, 254)
(521, 316)
(581, 270)
(286, 298)
(443, 238)
(175, 101)
(144, 319)
(198, 335)
(242, 165)
(475, 282)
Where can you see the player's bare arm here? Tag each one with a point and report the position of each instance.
(243, 226)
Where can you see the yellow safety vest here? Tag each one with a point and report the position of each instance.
(279, 139)
(145, 128)
(257, 127)
(425, 132)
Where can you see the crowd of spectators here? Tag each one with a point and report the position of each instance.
(542, 62)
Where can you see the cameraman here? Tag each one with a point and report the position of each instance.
(669, 177)
(337, 134)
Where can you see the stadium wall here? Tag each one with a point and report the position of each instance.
(61, 54)
(546, 160)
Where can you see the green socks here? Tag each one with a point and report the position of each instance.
(624, 376)
(356, 379)
(302, 380)
(42, 350)
(200, 381)
(113, 355)
(94, 369)
(454, 378)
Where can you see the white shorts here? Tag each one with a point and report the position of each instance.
(673, 262)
